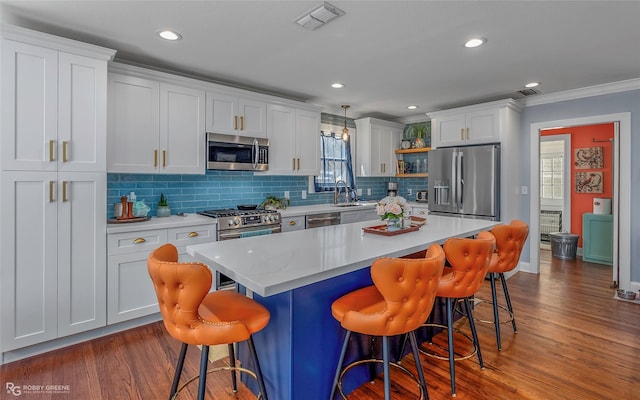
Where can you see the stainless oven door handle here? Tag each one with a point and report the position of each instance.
(237, 234)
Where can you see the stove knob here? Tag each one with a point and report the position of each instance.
(237, 221)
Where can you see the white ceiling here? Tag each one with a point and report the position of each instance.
(389, 54)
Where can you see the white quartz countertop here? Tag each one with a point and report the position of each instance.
(273, 264)
(172, 221)
(296, 211)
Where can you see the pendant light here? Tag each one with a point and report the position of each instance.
(345, 130)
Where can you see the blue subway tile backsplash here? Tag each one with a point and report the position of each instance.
(227, 189)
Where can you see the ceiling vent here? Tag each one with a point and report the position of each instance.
(319, 16)
(528, 92)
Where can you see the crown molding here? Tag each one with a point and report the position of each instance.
(29, 36)
(589, 91)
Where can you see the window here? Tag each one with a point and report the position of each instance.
(335, 162)
(551, 185)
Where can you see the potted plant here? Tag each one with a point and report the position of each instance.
(420, 131)
(163, 207)
(273, 202)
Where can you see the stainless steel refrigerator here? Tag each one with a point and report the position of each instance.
(465, 181)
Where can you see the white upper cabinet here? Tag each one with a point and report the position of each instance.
(182, 135)
(307, 142)
(134, 124)
(376, 141)
(233, 115)
(53, 109)
(480, 124)
(155, 127)
(294, 140)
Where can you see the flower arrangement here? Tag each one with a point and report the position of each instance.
(392, 207)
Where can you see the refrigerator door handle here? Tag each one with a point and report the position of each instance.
(454, 181)
(459, 181)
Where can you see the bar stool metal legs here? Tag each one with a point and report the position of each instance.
(450, 305)
(386, 364)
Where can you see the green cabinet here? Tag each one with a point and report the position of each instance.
(597, 238)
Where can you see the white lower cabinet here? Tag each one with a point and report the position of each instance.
(420, 211)
(369, 214)
(130, 292)
(53, 255)
(293, 223)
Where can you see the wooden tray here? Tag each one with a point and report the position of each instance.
(382, 230)
(127, 220)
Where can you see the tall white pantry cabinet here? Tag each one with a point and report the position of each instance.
(52, 188)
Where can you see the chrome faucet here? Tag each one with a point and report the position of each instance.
(336, 193)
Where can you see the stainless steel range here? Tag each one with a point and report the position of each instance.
(236, 224)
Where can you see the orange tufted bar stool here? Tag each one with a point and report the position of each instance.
(398, 303)
(509, 243)
(194, 316)
(469, 262)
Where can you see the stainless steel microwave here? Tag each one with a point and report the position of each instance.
(237, 153)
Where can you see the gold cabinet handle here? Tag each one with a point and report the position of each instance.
(64, 150)
(298, 164)
(293, 167)
(139, 240)
(164, 158)
(192, 234)
(467, 133)
(64, 190)
(235, 122)
(292, 223)
(241, 123)
(155, 159)
(51, 146)
(51, 188)
(461, 133)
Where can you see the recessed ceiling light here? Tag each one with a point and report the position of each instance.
(337, 85)
(412, 107)
(475, 42)
(531, 84)
(170, 35)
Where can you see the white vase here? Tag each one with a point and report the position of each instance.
(163, 211)
(394, 224)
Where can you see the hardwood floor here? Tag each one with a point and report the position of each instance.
(574, 341)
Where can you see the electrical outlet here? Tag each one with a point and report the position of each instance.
(524, 190)
(369, 192)
(409, 192)
(304, 195)
(286, 194)
(359, 192)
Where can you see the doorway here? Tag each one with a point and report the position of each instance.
(555, 186)
(621, 203)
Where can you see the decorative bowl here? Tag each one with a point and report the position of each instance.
(626, 294)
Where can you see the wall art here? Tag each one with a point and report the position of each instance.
(588, 158)
(589, 182)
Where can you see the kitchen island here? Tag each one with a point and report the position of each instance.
(297, 275)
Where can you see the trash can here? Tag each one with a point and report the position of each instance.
(564, 245)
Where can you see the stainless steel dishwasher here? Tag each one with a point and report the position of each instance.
(324, 219)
